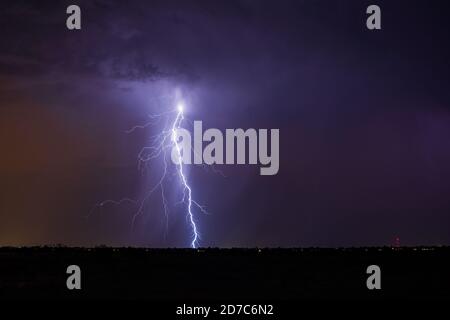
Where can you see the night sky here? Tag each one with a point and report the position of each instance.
(364, 119)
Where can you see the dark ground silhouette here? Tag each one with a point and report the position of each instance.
(219, 275)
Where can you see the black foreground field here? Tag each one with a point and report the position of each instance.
(221, 275)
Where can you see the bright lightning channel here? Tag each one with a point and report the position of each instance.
(176, 125)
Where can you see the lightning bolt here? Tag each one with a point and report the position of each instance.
(186, 188)
(165, 140)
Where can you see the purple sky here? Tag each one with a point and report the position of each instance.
(364, 119)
